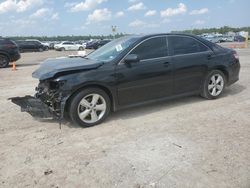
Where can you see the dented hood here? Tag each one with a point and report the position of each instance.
(51, 67)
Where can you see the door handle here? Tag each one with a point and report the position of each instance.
(166, 64)
(209, 56)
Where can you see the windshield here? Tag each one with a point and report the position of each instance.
(111, 50)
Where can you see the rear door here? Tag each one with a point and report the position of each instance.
(150, 78)
(32, 46)
(72, 46)
(66, 46)
(191, 60)
(28, 46)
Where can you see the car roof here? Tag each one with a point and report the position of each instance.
(206, 42)
(164, 34)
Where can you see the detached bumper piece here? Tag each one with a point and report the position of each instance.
(33, 106)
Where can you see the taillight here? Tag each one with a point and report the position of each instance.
(10, 46)
(236, 56)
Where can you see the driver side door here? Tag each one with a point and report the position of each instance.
(148, 79)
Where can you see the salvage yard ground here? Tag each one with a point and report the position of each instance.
(188, 142)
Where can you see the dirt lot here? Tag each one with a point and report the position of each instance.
(188, 142)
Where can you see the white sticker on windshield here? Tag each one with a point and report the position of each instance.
(118, 48)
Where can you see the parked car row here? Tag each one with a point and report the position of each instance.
(36, 45)
(219, 39)
(10, 50)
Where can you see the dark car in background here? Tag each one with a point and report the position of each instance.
(239, 38)
(9, 52)
(96, 44)
(130, 71)
(31, 46)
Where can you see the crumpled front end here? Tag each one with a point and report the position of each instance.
(49, 93)
(48, 101)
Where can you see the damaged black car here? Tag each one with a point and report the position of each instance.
(130, 71)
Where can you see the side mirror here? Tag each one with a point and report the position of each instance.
(132, 58)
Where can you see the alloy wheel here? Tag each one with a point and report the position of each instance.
(92, 108)
(215, 85)
(3, 61)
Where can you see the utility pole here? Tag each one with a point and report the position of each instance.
(113, 28)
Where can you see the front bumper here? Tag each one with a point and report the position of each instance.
(35, 107)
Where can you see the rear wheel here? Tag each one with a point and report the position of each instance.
(62, 49)
(89, 107)
(4, 61)
(81, 49)
(214, 85)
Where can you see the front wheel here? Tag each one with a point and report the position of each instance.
(89, 107)
(4, 61)
(213, 85)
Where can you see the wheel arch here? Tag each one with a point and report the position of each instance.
(91, 85)
(224, 70)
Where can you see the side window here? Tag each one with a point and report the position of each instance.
(29, 42)
(152, 48)
(185, 45)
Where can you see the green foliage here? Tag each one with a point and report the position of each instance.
(66, 38)
(221, 30)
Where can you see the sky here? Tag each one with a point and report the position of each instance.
(95, 17)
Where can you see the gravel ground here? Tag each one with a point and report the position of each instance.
(188, 142)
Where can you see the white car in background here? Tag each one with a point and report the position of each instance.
(70, 46)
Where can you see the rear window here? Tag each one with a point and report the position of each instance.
(6, 41)
(186, 45)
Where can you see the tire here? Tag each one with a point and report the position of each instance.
(81, 49)
(92, 113)
(4, 61)
(62, 49)
(214, 85)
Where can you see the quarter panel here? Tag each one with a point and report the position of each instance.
(190, 71)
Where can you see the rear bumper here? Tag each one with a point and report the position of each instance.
(15, 57)
(234, 72)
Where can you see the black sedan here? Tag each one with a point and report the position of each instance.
(31, 46)
(96, 44)
(130, 71)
